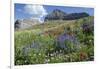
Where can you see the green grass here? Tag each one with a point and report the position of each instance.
(46, 47)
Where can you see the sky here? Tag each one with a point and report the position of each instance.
(26, 11)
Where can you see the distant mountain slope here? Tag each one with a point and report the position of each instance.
(58, 14)
(25, 23)
(54, 15)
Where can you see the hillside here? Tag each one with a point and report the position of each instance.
(55, 41)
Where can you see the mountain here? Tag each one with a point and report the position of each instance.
(25, 23)
(60, 15)
(73, 16)
(55, 15)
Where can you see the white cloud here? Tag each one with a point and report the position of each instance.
(37, 11)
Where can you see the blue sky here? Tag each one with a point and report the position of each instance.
(24, 12)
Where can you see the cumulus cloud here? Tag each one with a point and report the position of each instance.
(37, 11)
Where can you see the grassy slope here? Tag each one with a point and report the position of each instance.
(46, 33)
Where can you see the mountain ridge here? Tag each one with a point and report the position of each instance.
(61, 15)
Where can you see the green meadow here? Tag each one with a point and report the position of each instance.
(55, 41)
